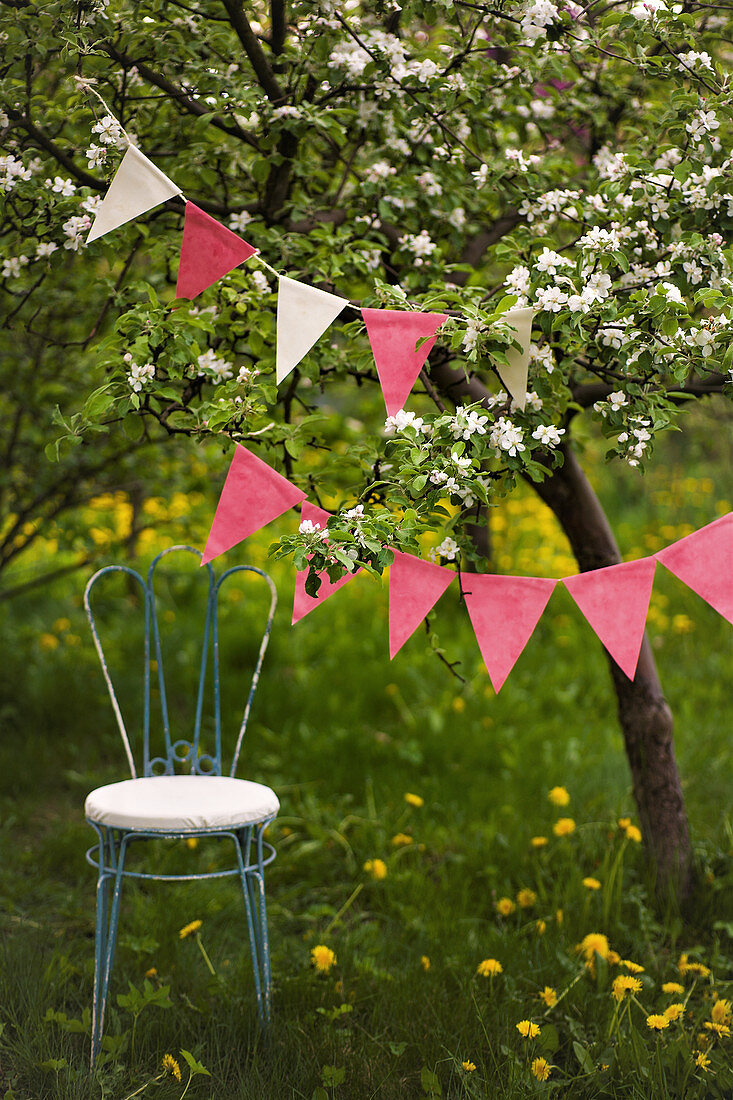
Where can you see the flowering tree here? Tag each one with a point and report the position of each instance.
(462, 158)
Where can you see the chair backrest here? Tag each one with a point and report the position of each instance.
(185, 754)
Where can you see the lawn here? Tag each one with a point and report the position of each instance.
(410, 800)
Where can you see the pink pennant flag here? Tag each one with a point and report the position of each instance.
(615, 601)
(393, 334)
(504, 611)
(415, 586)
(704, 562)
(304, 603)
(208, 252)
(253, 495)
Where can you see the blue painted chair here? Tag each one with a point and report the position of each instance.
(157, 803)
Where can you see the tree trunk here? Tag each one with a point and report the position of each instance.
(644, 714)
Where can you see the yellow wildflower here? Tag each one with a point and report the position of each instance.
(613, 958)
(377, 868)
(549, 996)
(538, 841)
(459, 704)
(61, 625)
(152, 972)
(541, 927)
(625, 984)
(624, 822)
(720, 1030)
(633, 833)
(564, 826)
(192, 842)
(682, 624)
(48, 641)
(559, 916)
(505, 907)
(591, 883)
(323, 958)
(469, 1066)
(657, 1022)
(702, 1060)
(489, 968)
(673, 987)
(686, 967)
(401, 840)
(592, 943)
(721, 1012)
(527, 1029)
(170, 1065)
(558, 796)
(414, 800)
(674, 1012)
(189, 929)
(541, 1068)
(425, 963)
(703, 1040)
(633, 967)
(338, 988)
(526, 898)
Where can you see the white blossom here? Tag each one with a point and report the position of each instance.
(261, 284)
(11, 171)
(247, 374)
(448, 549)
(13, 266)
(307, 527)
(74, 228)
(96, 155)
(44, 249)
(648, 9)
(403, 420)
(137, 375)
(61, 186)
(542, 355)
(219, 369)
(468, 422)
(703, 122)
(239, 222)
(551, 298)
(507, 437)
(548, 435)
(617, 400)
(109, 130)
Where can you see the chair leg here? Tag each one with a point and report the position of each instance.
(255, 911)
(106, 935)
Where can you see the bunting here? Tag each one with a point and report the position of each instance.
(514, 373)
(504, 612)
(208, 252)
(393, 335)
(704, 562)
(415, 586)
(615, 601)
(303, 315)
(137, 187)
(303, 603)
(253, 495)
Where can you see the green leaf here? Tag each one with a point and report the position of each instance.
(584, 1058)
(194, 1066)
(430, 1082)
(133, 426)
(549, 1040)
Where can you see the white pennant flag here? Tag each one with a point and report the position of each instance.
(514, 374)
(303, 314)
(137, 186)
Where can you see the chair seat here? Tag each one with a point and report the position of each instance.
(181, 803)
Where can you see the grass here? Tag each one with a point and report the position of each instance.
(342, 736)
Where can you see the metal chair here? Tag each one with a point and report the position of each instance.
(162, 804)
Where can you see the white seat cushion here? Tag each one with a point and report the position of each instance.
(181, 802)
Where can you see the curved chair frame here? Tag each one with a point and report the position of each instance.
(253, 852)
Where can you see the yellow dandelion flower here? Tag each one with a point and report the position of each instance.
(721, 1012)
(505, 907)
(489, 968)
(673, 987)
(538, 841)
(469, 1066)
(414, 800)
(721, 1030)
(189, 929)
(657, 1022)
(323, 958)
(540, 926)
(338, 988)
(682, 624)
(549, 996)
(377, 868)
(613, 958)
(591, 883)
(61, 625)
(170, 1065)
(527, 1029)
(526, 898)
(702, 1061)
(686, 967)
(703, 1040)
(633, 833)
(48, 641)
(425, 963)
(625, 984)
(458, 704)
(674, 1011)
(564, 826)
(592, 943)
(152, 972)
(558, 796)
(632, 967)
(192, 842)
(401, 840)
(541, 1068)
(559, 916)
(624, 822)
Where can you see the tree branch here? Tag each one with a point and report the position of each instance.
(252, 48)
